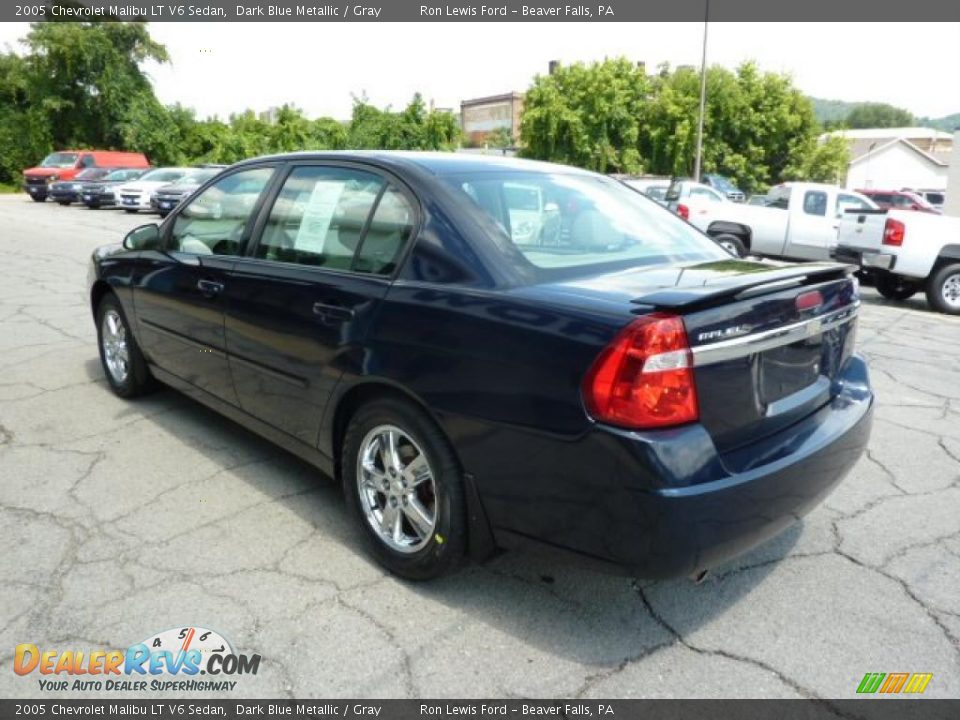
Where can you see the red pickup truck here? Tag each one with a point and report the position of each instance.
(65, 164)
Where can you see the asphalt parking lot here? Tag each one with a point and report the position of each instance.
(122, 519)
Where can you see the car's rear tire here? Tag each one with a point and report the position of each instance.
(943, 289)
(895, 287)
(123, 362)
(404, 485)
(731, 243)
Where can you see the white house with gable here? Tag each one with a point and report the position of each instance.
(896, 158)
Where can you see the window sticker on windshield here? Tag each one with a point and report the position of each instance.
(318, 214)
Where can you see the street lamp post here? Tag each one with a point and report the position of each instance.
(703, 94)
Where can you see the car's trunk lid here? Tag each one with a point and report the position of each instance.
(768, 340)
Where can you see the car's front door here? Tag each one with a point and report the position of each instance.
(179, 290)
(301, 300)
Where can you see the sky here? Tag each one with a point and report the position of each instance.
(219, 68)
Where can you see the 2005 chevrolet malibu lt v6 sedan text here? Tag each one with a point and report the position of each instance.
(490, 353)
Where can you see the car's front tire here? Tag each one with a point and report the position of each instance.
(732, 244)
(38, 198)
(123, 362)
(404, 485)
(943, 289)
(130, 210)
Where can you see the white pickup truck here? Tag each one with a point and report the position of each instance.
(799, 221)
(905, 252)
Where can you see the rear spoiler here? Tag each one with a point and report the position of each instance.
(743, 286)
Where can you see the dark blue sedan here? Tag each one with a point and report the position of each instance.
(492, 353)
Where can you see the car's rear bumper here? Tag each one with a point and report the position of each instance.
(705, 508)
(866, 259)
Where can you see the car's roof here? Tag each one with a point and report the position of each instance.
(438, 163)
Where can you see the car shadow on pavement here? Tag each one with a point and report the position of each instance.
(547, 603)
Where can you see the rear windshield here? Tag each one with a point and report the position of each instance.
(59, 160)
(163, 175)
(569, 223)
(197, 177)
(935, 198)
(123, 175)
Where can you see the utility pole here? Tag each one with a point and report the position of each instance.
(703, 94)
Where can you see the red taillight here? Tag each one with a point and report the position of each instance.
(644, 378)
(809, 300)
(683, 211)
(893, 232)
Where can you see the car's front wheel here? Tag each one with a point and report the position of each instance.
(130, 210)
(732, 244)
(404, 485)
(123, 362)
(943, 289)
(38, 198)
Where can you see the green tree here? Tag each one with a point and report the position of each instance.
(609, 116)
(86, 78)
(24, 131)
(499, 138)
(413, 128)
(586, 115)
(878, 115)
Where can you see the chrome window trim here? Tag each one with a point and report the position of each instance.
(770, 339)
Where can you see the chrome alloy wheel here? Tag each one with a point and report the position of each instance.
(950, 290)
(116, 352)
(397, 489)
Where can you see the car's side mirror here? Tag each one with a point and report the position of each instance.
(145, 237)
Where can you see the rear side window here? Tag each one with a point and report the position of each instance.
(337, 218)
(389, 230)
(815, 203)
(319, 216)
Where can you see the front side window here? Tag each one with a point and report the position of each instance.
(570, 223)
(337, 218)
(778, 197)
(213, 222)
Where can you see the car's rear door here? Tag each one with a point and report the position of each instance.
(178, 292)
(302, 298)
(813, 225)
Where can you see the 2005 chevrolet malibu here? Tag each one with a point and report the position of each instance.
(489, 353)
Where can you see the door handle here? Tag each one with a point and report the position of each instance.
(331, 312)
(209, 288)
